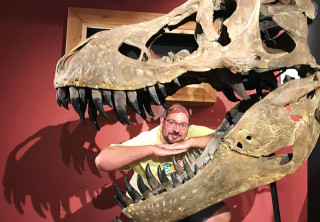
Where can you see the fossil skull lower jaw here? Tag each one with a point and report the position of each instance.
(234, 169)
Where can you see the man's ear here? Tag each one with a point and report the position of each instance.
(161, 120)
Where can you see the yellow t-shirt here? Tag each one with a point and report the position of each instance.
(153, 137)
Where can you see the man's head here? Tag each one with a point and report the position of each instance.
(175, 124)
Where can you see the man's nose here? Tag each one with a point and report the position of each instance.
(176, 128)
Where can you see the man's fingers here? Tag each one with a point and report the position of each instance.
(171, 146)
(178, 151)
(161, 151)
(162, 145)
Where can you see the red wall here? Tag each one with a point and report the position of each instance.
(47, 158)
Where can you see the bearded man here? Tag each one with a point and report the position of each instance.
(173, 137)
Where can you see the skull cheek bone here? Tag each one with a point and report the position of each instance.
(240, 155)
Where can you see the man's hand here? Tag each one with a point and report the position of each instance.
(183, 145)
(168, 149)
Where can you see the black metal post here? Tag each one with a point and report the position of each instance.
(275, 202)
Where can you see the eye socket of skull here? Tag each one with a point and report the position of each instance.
(277, 38)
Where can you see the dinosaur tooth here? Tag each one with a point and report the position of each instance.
(136, 197)
(240, 90)
(184, 180)
(176, 81)
(120, 119)
(162, 100)
(162, 90)
(120, 106)
(92, 111)
(62, 97)
(287, 78)
(196, 169)
(82, 94)
(58, 98)
(164, 179)
(153, 182)
(123, 198)
(107, 97)
(234, 81)
(147, 107)
(97, 100)
(190, 157)
(187, 168)
(82, 99)
(153, 95)
(75, 101)
(162, 95)
(177, 166)
(195, 153)
(144, 190)
(229, 93)
(143, 99)
(164, 105)
(175, 180)
(119, 202)
(133, 101)
(142, 112)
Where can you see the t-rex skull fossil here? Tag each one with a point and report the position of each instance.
(256, 39)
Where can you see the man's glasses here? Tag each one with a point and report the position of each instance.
(173, 124)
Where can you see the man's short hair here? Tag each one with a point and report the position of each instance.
(167, 111)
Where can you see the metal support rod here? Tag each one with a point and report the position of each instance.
(275, 202)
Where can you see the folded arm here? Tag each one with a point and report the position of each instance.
(193, 142)
(118, 157)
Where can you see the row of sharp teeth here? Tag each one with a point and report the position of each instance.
(78, 96)
(157, 187)
(139, 100)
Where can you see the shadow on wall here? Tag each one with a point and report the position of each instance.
(40, 168)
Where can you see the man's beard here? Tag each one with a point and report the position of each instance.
(166, 138)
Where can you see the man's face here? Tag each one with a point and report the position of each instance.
(175, 127)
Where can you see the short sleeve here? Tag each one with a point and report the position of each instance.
(196, 131)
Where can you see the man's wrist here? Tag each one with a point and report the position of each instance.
(190, 142)
(151, 150)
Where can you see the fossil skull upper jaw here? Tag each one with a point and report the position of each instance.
(97, 62)
(243, 39)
